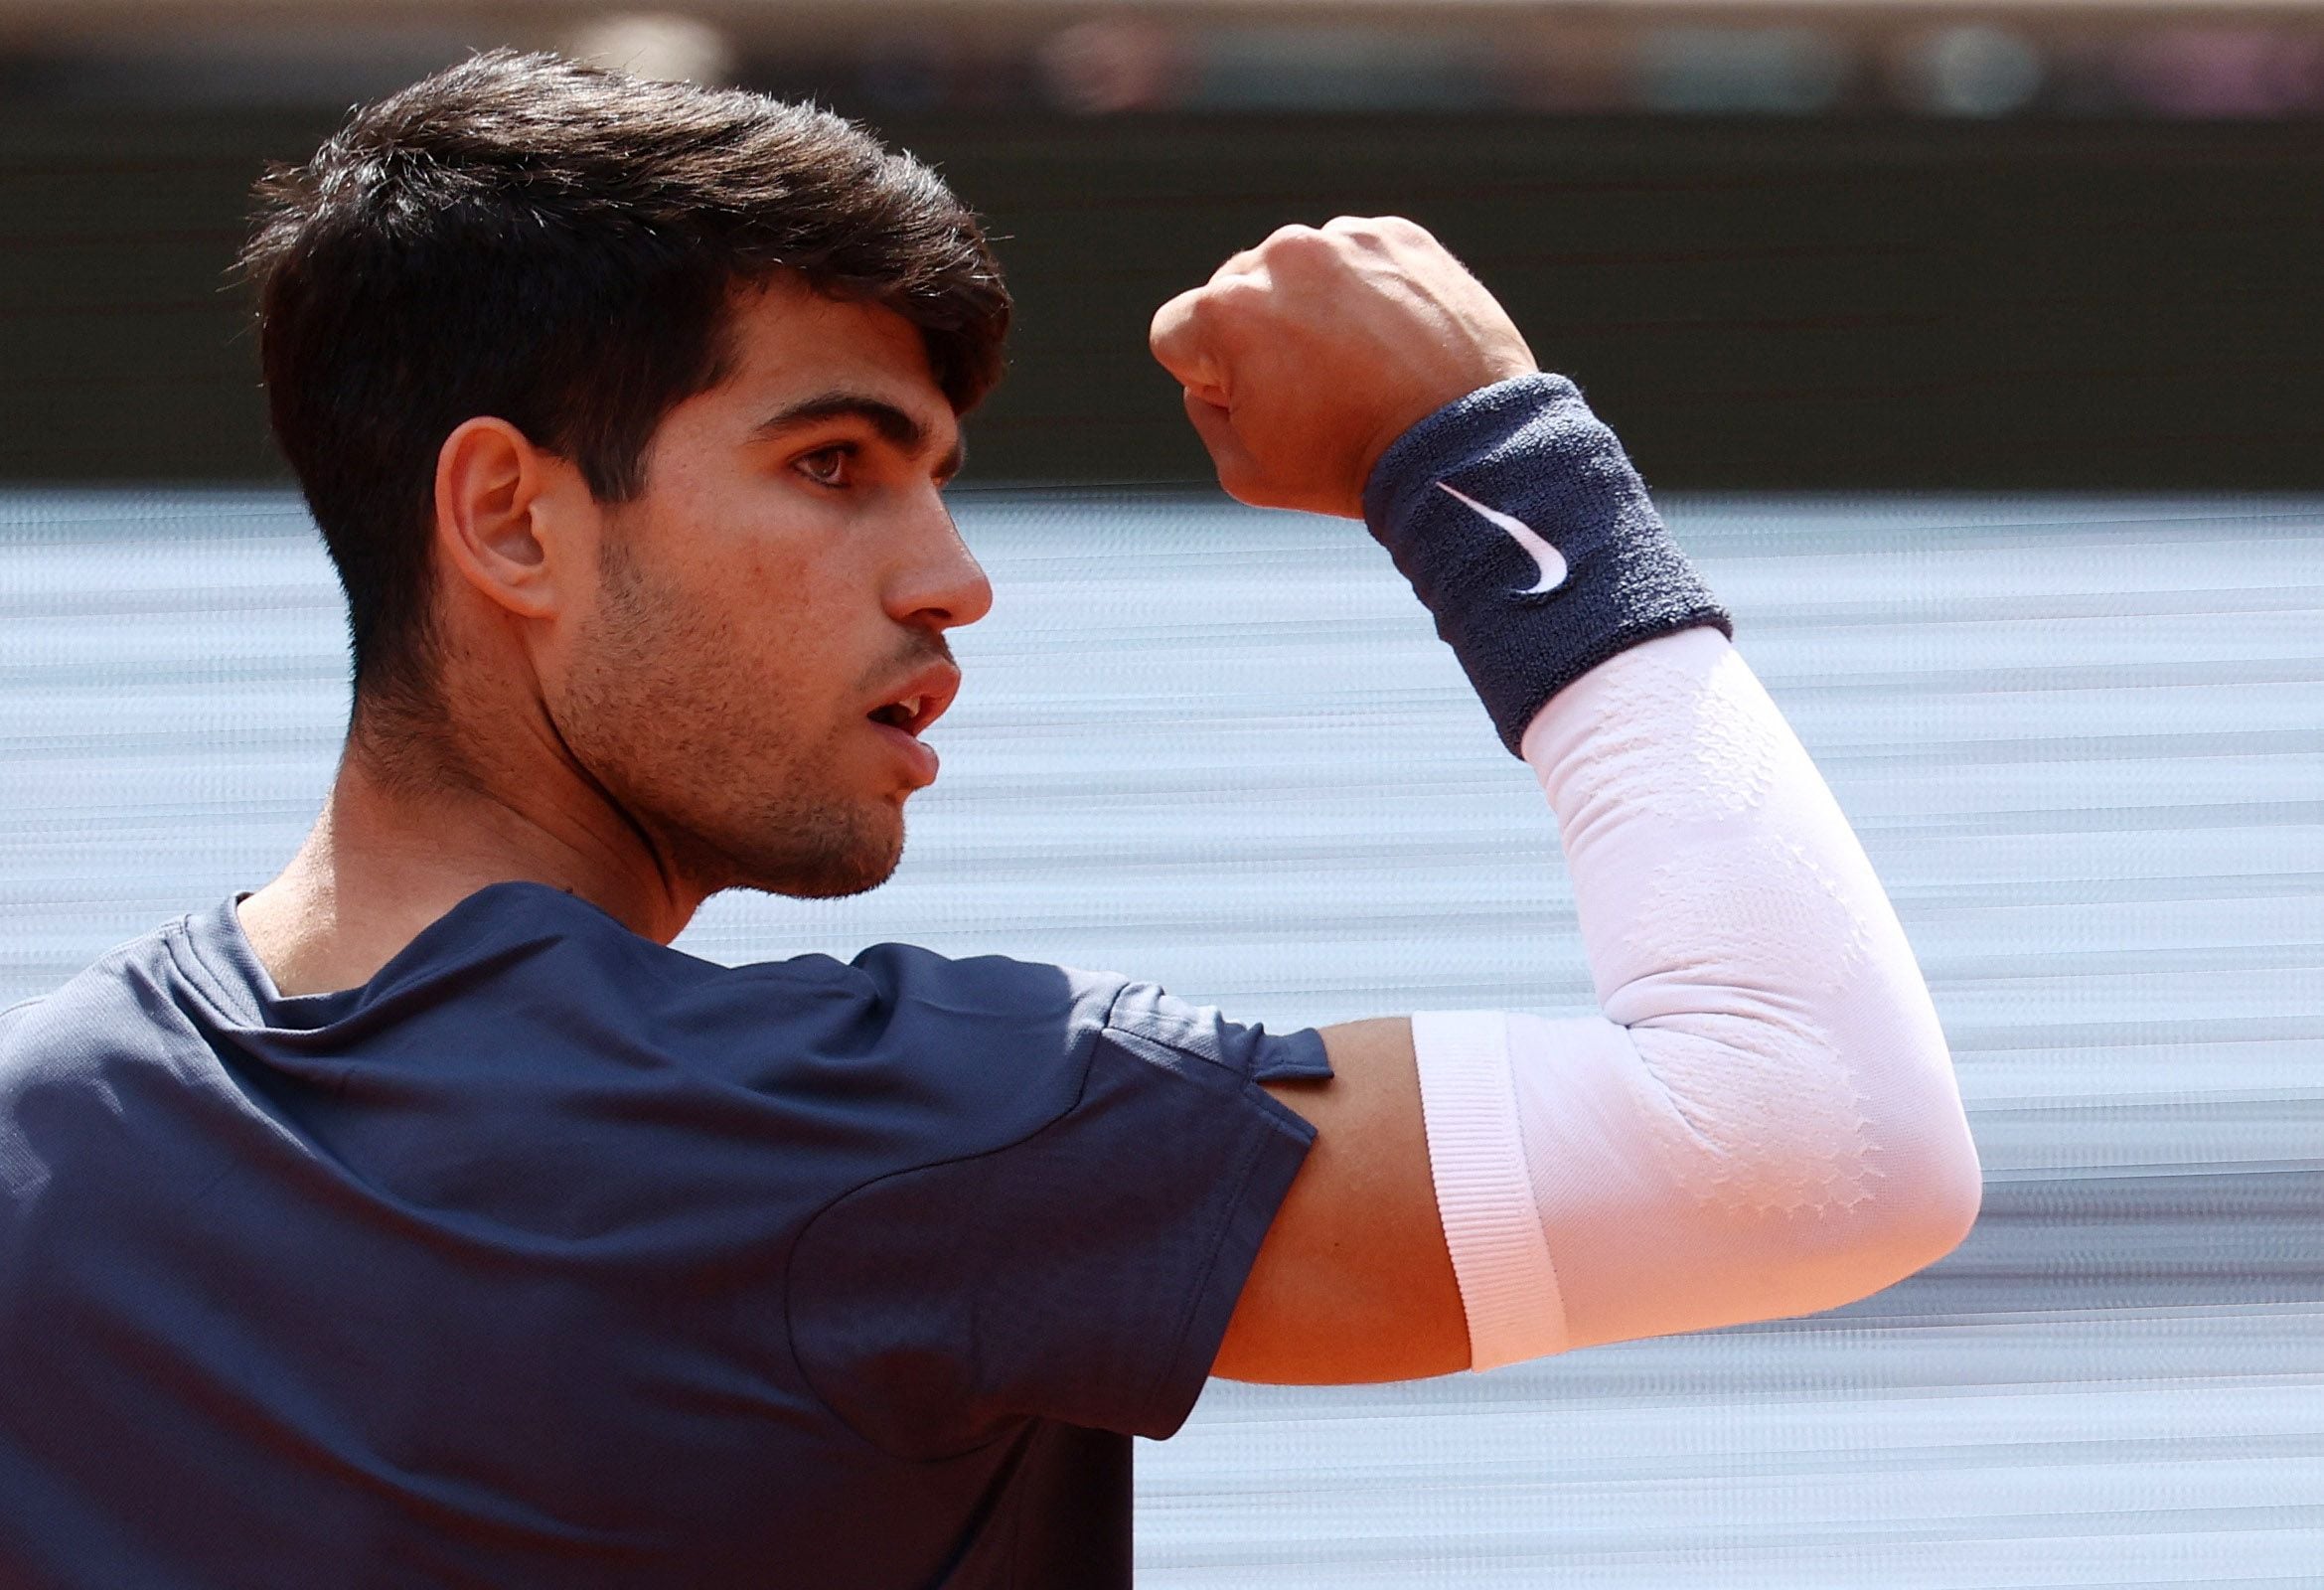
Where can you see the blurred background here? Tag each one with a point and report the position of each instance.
(1976, 349)
(1820, 244)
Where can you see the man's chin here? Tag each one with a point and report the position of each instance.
(824, 886)
(852, 864)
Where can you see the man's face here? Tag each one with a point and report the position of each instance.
(782, 584)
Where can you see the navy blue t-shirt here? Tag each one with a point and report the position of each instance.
(555, 1257)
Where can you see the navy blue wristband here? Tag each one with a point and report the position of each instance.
(1520, 523)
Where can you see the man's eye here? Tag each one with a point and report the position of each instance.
(828, 466)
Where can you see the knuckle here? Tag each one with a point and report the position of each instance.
(1231, 301)
(1295, 242)
(1170, 321)
(1239, 263)
(1405, 237)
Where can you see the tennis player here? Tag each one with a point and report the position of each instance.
(423, 1219)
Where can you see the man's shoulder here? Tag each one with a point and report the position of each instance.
(968, 1026)
(966, 988)
(575, 998)
(528, 952)
(115, 979)
(933, 1009)
(535, 928)
(81, 1050)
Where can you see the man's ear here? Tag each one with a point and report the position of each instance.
(503, 510)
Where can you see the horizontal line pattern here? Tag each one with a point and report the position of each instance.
(2083, 741)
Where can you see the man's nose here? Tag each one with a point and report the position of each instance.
(944, 585)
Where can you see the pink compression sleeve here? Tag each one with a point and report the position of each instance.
(1763, 1119)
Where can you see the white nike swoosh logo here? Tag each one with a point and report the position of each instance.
(1551, 561)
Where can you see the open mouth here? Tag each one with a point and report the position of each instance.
(921, 702)
(904, 715)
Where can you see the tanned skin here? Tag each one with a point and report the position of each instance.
(644, 703)
(650, 701)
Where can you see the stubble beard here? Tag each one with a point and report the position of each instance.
(821, 853)
(649, 722)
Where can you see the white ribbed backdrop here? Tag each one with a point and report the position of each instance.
(2082, 740)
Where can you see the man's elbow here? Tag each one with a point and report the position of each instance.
(1929, 1199)
(1919, 1188)
(1951, 1190)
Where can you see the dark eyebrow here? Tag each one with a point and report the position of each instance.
(896, 427)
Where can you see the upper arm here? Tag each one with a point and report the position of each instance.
(1353, 1282)
(1684, 1174)
(1057, 1221)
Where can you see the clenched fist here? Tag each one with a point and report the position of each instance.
(1304, 358)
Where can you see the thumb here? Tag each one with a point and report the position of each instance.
(1237, 471)
(1179, 344)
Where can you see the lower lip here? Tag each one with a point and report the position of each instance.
(922, 757)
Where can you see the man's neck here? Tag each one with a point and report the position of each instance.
(389, 857)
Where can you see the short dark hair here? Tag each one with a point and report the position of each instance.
(559, 246)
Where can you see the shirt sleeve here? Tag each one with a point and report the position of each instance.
(1084, 1271)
